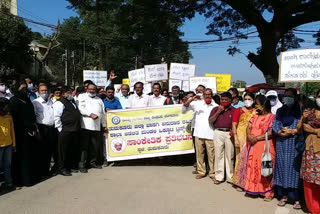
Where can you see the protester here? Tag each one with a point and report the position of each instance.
(236, 102)
(47, 147)
(176, 98)
(67, 121)
(203, 132)
(138, 99)
(31, 94)
(165, 93)
(3, 90)
(93, 118)
(310, 168)
(240, 121)
(156, 99)
(221, 119)
(123, 95)
(200, 90)
(79, 90)
(56, 94)
(24, 120)
(110, 102)
(272, 96)
(7, 142)
(261, 123)
(288, 160)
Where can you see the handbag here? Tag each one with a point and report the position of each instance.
(266, 159)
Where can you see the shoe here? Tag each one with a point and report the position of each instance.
(194, 172)
(96, 166)
(74, 170)
(198, 176)
(65, 173)
(83, 170)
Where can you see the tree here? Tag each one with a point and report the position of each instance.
(274, 20)
(313, 87)
(239, 84)
(15, 38)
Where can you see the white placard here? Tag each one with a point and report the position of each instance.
(137, 75)
(300, 65)
(100, 78)
(208, 82)
(174, 83)
(156, 73)
(117, 88)
(180, 71)
(185, 86)
(147, 88)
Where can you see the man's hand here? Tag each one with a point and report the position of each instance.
(94, 116)
(220, 109)
(112, 75)
(305, 114)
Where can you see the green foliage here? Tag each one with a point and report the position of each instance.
(239, 84)
(313, 87)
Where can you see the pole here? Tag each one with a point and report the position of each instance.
(136, 64)
(66, 67)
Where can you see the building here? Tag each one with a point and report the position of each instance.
(11, 5)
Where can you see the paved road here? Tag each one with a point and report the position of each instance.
(135, 189)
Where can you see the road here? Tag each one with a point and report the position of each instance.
(135, 189)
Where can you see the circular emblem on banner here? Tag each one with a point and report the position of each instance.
(188, 128)
(115, 120)
(118, 145)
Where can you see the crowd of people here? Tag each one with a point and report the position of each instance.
(49, 130)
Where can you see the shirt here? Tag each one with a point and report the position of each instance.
(44, 111)
(6, 95)
(224, 120)
(92, 105)
(202, 110)
(58, 108)
(156, 101)
(238, 105)
(7, 136)
(112, 104)
(136, 101)
(122, 99)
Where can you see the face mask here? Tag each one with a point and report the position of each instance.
(70, 97)
(56, 97)
(225, 104)
(92, 95)
(22, 93)
(175, 95)
(30, 86)
(102, 96)
(273, 102)
(318, 102)
(44, 96)
(208, 100)
(248, 103)
(289, 101)
(3, 89)
(200, 95)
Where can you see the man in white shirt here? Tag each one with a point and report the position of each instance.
(138, 99)
(67, 121)
(92, 120)
(203, 131)
(156, 99)
(49, 137)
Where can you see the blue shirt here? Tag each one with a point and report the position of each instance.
(238, 105)
(112, 104)
(123, 99)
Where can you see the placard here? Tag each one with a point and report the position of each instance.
(137, 75)
(223, 81)
(117, 88)
(126, 81)
(156, 73)
(147, 88)
(208, 82)
(174, 83)
(185, 86)
(181, 71)
(100, 78)
(300, 66)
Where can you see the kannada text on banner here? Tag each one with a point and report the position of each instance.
(148, 132)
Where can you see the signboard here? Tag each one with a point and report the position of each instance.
(185, 86)
(117, 88)
(300, 66)
(100, 78)
(126, 81)
(156, 73)
(208, 82)
(223, 81)
(147, 88)
(180, 71)
(137, 75)
(148, 132)
(174, 83)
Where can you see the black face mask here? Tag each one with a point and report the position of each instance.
(22, 93)
(102, 96)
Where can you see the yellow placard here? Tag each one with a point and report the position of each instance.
(148, 132)
(126, 81)
(223, 81)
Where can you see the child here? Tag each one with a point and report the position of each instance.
(7, 141)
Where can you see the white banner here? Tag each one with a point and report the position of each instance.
(180, 71)
(175, 83)
(99, 78)
(300, 66)
(185, 86)
(208, 82)
(137, 75)
(156, 73)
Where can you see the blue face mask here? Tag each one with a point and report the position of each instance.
(44, 96)
(289, 101)
(30, 86)
(175, 95)
(70, 97)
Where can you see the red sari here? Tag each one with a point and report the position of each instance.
(255, 183)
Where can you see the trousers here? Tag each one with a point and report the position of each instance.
(68, 150)
(5, 163)
(203, 145)
(91, 148)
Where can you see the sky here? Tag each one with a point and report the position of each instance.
(208, 58)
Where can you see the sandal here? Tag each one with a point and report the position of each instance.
(216, 181)
(297, 205)
(267, 199)
(283, 202)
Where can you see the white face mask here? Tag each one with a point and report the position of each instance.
(200, 95)
(3, 89)
(248, 103)
(273, 102)
(318, 102)
(92, 95)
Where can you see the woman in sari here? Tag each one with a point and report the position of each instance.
(261, 123)
(240, 121)
(310, 167)
(287, 131)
